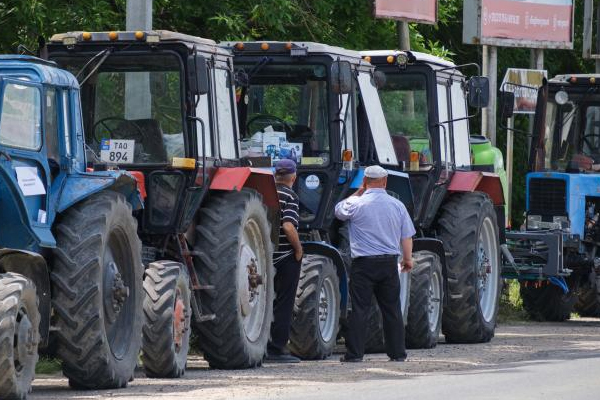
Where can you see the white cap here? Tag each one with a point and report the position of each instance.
(375, 172)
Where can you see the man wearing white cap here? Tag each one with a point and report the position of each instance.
(380, 231)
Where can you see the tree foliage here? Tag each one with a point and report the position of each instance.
(347, 23)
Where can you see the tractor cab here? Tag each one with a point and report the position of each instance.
(146, 102)
(315, 104)
(426, 103)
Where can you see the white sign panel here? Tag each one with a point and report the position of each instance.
(524, 83)
(29, 181)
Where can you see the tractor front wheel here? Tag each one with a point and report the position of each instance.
(316, 310)
(167, 313)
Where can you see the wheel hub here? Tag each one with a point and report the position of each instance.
(323, 306)
(179, 325)
(116, 293)
(24, 341)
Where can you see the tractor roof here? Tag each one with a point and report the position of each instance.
(35, 70)
(152, 37)
(381, 57)
(576, 79)
(291, 48)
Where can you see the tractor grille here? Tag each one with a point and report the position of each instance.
(547, 196)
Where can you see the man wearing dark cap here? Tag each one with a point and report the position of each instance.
(380, 232)
(287, 260)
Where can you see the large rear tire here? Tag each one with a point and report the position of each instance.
(19, 335)
(167, 312)
(547, 302)
(97, 292)
(467, 226)
(234, 230)
(426, 295)
(317, 309)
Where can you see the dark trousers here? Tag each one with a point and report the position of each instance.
(377, 276)
(286, 282)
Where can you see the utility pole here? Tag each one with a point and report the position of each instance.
(137, 84)
(403, 35)
(492, 73)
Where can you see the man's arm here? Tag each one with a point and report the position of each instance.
(345, 209)
(407, 260)
(292, 236)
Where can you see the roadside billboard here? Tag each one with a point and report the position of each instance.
(524, 83)
(423, 11)
(519, 23)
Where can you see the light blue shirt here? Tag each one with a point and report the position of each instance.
(377, 222)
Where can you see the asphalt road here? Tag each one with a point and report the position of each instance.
(524, 361)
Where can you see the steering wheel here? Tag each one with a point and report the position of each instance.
(266, 121)
(140, 133)
(586, 140)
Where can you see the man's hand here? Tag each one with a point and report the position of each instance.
(298, 254)
(407, 264)
(359, 191)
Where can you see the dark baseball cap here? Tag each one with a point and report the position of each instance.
(285, 167)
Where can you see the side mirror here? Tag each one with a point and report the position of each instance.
(507, 104)
(479, 91)
(341, 77)
(197, 74)
(380, 79)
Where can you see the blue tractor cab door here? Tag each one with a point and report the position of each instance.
(25, 171)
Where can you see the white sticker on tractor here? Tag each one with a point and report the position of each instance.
(29, 181)
(117, 151)
(312, 182)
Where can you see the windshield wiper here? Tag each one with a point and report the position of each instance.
(102, 55)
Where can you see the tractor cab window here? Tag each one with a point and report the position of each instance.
(21, 117)
(284, 114)
(404, 101)
(133, 110)
(572, 137)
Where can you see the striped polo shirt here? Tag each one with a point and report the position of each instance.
(288, 204)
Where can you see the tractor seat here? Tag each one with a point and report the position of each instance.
(401, 147)
(152, 145)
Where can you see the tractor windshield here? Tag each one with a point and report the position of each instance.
(572, 139)
(404, 102)
(133, 108)
(284, 113)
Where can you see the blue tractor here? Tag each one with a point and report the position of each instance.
(555, 253)
(70, 260)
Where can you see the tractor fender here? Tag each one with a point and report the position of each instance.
(437, 247)
(80, 186)
(478, 181)
(327, 250)
(33, 266)
(259, 179)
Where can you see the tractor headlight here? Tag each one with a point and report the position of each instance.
(535, 222)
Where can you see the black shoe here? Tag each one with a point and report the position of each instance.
(281, 358)
(399, 359)
(350, 360)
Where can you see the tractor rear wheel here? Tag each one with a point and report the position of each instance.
(467, 226)
(426, 295)
(547, 302)
(97, 292)
(234, 254)
(316, 310)
(167, 312)
(19, 335)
